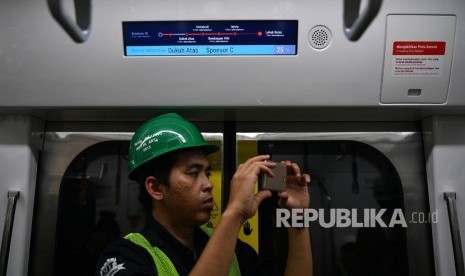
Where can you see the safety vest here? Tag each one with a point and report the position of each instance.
(163, 264)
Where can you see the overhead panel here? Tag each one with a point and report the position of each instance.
(418, 58)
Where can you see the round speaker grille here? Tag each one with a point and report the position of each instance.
(319, 37)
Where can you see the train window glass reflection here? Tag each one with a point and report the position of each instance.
(98, 204)
(345, 175)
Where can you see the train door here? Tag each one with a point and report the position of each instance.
(356, 176)
(84, 200)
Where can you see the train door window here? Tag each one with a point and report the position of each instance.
(96, 205)
(96, 202)
(352, 182)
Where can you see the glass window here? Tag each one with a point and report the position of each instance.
(97, 205)
(349, 176)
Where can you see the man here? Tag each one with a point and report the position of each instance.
(168, 158)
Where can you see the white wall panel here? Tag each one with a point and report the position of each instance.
(20, 140)
(444, 138)
(40, 66)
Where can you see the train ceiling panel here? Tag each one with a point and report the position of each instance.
(53, 54)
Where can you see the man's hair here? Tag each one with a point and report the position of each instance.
(160, 168)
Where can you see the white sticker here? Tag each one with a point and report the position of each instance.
(417, 66)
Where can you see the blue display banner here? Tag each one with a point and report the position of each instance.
(210, 50)
(210, 38)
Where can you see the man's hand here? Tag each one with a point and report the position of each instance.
(296, 194)
(242, 200)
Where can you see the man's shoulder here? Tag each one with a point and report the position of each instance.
(126, 258)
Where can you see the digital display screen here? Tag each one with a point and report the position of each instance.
(210, 38)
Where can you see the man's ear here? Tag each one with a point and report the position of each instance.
(154, 188)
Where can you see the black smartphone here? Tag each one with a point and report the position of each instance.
(278, 181)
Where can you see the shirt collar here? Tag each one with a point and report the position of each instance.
(158, 236)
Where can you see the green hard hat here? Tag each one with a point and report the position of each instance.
(161, 135)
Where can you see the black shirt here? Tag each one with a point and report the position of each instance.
(126, 258)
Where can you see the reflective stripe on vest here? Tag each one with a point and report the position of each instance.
(163, 264)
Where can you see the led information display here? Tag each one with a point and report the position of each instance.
(210, 38)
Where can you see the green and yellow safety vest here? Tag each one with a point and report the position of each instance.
(163, 264)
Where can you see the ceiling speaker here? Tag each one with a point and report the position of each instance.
(319, 37)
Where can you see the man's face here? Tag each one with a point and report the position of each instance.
(188, 197)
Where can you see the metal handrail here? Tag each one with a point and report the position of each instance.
(455, 232)
(7, 230)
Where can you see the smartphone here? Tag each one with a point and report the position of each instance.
(278, 181)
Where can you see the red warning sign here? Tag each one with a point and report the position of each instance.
(430, 48)
(418, 58)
